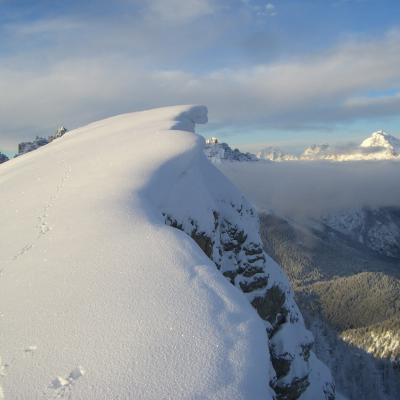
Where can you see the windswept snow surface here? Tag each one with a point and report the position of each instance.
(99, 299)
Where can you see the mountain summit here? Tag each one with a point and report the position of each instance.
(383, 140)
(132, 268)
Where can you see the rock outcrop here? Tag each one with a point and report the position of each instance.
(26, 147)
(3, 158)
(218, 152)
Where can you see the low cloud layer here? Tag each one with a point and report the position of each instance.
(310, 189)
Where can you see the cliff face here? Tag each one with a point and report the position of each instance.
(226, 228)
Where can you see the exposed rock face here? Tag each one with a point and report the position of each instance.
(26, 147)
(3, 158)
(233, 244)
(59, 132)
(218, 152)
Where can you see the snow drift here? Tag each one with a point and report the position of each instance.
(100, 299)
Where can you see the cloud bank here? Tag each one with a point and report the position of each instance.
(310, 189)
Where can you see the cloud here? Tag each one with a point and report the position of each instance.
(86, 70)
(263, 10)
(180, 11)
(270, 10)
(299, 190)
(40, 27)
(374, 106)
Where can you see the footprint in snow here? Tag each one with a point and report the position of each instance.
(62, 386)
(30, 349)
(3, 368)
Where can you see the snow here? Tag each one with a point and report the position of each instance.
(378, 146)
(275, 154)
(377, 228)
(99, 299)
(382, 139)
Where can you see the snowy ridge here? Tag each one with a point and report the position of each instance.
(99, 299)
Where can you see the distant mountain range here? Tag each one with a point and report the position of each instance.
(378, 146)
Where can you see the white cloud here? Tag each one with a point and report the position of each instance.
(180, 11)
(124, 69)
(264, 10)
(50, 26)
(270, 10)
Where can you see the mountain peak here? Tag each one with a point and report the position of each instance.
(217, 152)
(382, 139)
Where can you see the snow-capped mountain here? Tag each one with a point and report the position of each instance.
(315, 151)
(383, 140)
(379, 146)
(275, 154)
(139, 270)
(218, 152)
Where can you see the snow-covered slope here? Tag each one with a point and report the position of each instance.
(100, 299)
(376, 228)
(382, 340)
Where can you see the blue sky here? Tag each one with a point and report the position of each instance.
(284, 72)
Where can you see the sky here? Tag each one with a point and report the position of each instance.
(286, 72)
